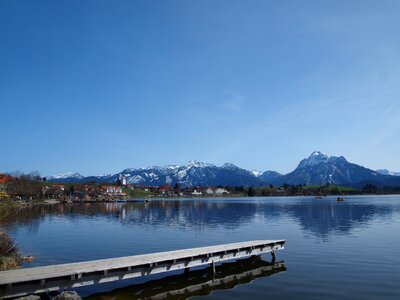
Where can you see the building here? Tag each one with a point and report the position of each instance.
(209, 191)
(221, 191)
(166, 190)
(197, 193)
(112, 190)
(4, 178)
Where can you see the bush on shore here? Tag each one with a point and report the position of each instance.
(10, 258)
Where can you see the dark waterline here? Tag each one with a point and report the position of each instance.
(347, 250)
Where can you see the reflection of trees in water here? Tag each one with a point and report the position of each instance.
(199, 282)
(31, 215)
(185, 214)
(28, 216)
(192, 214)
(320, 218)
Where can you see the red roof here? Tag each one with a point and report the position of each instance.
(4, 178)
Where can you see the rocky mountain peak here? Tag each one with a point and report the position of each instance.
(314, 159)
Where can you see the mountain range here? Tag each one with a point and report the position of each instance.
(387, 172)
(317, 169)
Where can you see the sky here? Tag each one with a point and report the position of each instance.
(99, 86)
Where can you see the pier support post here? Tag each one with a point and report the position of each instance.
(273, 256)
(213, 267)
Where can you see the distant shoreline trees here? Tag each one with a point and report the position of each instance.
(32, 186)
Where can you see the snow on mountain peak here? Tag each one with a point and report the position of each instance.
(172, 167)
(256, 173)
(129, 170)
(314, 159)
(198, 164)
(66, 175)
(317, 153)
(229, 166)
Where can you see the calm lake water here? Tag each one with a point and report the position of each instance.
(334, 250)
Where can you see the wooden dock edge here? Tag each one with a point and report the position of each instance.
(37, 280)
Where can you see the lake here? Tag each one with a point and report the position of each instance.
(334, 250)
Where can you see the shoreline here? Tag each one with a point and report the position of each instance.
(21, 203)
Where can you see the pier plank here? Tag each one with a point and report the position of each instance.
(138, 265)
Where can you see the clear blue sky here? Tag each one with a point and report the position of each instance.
(99, 86)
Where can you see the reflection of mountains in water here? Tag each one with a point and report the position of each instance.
(325, 217)
(320, 217)
(192, 213)
(198, 282)
(197, 215)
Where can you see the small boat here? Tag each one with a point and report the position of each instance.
(317, 197)
(340, 199)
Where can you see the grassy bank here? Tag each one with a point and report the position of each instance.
(137, 193)
(10, 258)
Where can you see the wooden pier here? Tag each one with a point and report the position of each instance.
(66, 276)
(228, 275)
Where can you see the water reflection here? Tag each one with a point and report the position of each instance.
(320, 218)
(338, 269)
(324, 219)
(198, 282)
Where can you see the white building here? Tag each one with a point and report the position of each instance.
(209, 191)
(113, 190)
(221, 191)
(196, 193)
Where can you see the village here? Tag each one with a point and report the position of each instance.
(31, 187)
(28, 188)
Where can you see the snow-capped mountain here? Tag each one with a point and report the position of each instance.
(256, 172)
(192, 174)
(317, 169)
(320, 168)
(66, 176)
